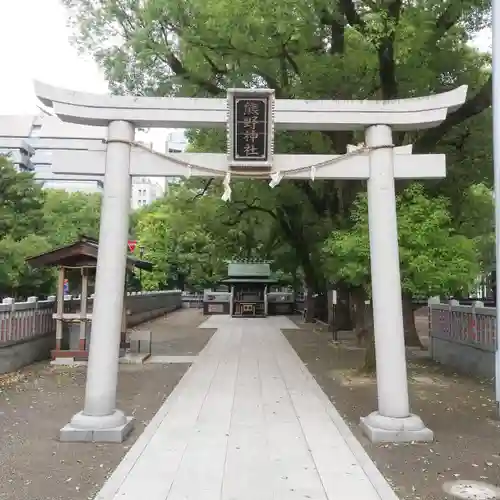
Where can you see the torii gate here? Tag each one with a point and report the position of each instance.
(251, 117)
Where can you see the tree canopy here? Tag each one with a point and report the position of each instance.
(435, 259)
(68, 215)
(21, 202)
(175, 239)
(33, 221)
(344, 49)
(190, 234)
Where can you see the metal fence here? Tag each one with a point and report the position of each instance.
(463, 337)
(21, 321)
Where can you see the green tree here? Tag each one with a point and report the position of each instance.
(176, 238)
(17, 279)
(191, 233)
(435, 259)
(21, 202)
(476, 221)
(68, 215)
(33, 221)
(321, 50)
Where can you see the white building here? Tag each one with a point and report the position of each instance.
(176, 143)
(144, 191)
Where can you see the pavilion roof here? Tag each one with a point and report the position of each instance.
(249, 280)
(81, 253)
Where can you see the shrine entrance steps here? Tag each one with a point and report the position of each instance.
(247, 422)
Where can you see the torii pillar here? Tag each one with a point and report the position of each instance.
(118, 160)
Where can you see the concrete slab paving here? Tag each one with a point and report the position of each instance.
(171, 359)
(247, 422)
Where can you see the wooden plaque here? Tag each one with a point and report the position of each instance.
(250, 128)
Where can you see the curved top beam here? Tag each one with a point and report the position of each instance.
(291, 114)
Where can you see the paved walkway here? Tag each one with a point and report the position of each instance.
(247, 422)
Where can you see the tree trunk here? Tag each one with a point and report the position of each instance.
(359, 312)
(364, 329)
(411, 335)
(309, 305)
(322, 306)
(370, 363)
(342, 320)
(331, 314)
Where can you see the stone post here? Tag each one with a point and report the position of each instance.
(83, 309)
(100, 421)
(9, 301)
(393, 421)
(477, 304)
(60, 308)
(430, 302)
(34, 323)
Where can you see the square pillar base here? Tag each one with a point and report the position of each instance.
(380, 429)
(75, 432)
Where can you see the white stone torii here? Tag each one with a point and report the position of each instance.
(119, 157)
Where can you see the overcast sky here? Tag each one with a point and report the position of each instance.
(34, 45)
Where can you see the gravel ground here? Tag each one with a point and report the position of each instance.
(37, 401)
(459, 410)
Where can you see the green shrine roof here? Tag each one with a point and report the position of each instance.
(249, 280)
(253, 270)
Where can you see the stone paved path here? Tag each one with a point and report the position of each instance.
(247, 422)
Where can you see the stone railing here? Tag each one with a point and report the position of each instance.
(192, 300)
(27, 329)
(281, 303)
(143, 306)
(216, 302)
(23, 320)
(463, 337)
(20, 321)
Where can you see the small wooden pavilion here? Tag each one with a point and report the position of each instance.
(78, 262)
(248, 282)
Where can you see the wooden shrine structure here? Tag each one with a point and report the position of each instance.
(248, 292)
(249, 283)
(77, 261)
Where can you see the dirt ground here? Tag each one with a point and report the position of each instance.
(458, 409)
(37, 401)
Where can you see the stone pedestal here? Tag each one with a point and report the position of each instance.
(380, 429)
(113, 428)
